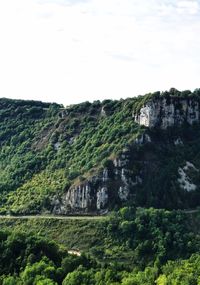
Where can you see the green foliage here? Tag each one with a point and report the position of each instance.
(132, 247)
(45, 148)
(153, 236)
(32, 260)
(184, 272)
(42, 272)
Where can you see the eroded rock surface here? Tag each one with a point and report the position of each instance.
(110, 186)
(169, 112)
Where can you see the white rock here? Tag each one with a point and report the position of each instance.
(78, 197)
(102, 198)
(105, 175)
(184, 180)
(71, 140)
(147, 138)
(144, 138)
(123, 176)
(190, 165)
(103, 112)
(123, 193)
(166, 114)
(178, 141)
(57, 146)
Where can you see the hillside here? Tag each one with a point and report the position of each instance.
(94, 157)
(136, 160)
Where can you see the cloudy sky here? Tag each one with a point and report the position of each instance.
(70, 51)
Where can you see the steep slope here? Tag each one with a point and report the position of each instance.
(89, 158)
(44, 152)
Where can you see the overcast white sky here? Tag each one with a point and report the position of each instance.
(71, 51)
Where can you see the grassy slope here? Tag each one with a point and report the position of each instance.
(78, 233)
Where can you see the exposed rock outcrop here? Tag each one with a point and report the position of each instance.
(168, 112)
(184, 179)
(122, 180)
(111, 186)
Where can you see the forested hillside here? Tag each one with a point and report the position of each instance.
(134, 169)
(44, 148)
(94, 156)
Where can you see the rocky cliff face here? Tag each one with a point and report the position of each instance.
(168, 112)
(91, 157)
(111, 186)
(134, 169)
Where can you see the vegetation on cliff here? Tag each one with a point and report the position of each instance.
(46, 148)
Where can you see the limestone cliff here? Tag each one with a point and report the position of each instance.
(136, 169)
(168, 112)
(111, 186)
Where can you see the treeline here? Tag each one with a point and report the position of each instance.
(172, 93)
(6, 103)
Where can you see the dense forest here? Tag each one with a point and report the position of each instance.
(46, 150)
(133, 246)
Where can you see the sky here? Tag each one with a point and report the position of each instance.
(70, 51)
